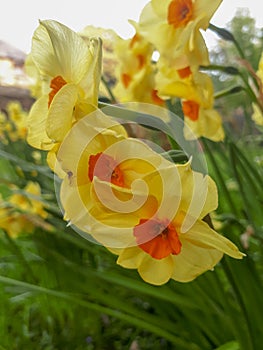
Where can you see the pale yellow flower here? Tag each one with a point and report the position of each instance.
(173, 27)
(135, 71)
(197, 93)
(98, 151)
(166, 237)
(23, 211)
(69, 68)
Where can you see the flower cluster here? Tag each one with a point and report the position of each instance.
(115, 189)
(172, 30)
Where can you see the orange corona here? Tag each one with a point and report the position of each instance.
(157, 238)
(105, 168)
(180, 13)
(191, 110)
(56, 84)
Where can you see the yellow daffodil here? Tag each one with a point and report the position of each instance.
(69, 68)
(29, 200)
(166, 237)
(13, 126)
(173, 27)
(182, 83)
(23, 210)
(97, 148)
(202, 121)
(197, 93)
(14, 223)
(136, 73)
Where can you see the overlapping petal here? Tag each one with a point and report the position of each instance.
(69, 68)
(180, 198)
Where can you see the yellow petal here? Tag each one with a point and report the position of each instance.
(60, 113)
(75, 210)
(199, 197)
(194, 260)
(112, 230)
(43, 54)
(64, 49)
(155, 271)
(160, 8)
(205, 9)
(37, 136)
(91, 79)
(209, 125)
(89, 136)
(202, 235)
(131, 258)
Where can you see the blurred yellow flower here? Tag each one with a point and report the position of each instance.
(136, 72)
(29, 200)
(166, 237)
(203, 121)
(23, 210)
(69, 69)
(197, 93)
(173, 27)
(13, 126)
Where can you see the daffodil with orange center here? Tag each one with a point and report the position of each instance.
(135, 73)
(165, 237)
(173, 27)
(97, 152)
(69, 69)
(197, 93)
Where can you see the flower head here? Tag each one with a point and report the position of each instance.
(136, 72)
(69, 69)
(95, 153)
(166, 237)
(173, 27)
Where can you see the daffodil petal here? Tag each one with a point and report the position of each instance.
(202, 235)
(209, 125)
(60, 113)
(131, 258)
(37, 136)
(194, 260)
(206, 9)
(111, 230)
(155, 271)
(43, 54)
(75, 210)
(71, 57)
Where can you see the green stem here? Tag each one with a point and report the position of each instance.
(226, 35)
(229, 91)
(106, 84)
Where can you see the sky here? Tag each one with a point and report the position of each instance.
(19, 18)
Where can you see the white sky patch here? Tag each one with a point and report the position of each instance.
(19, 18)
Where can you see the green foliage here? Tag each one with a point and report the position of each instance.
(243, 51)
